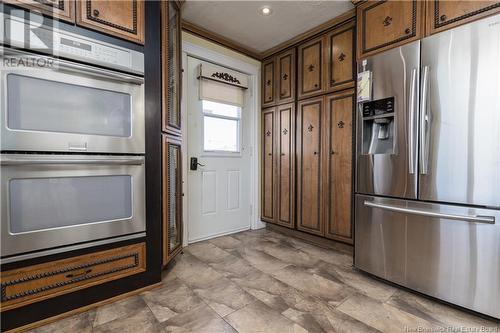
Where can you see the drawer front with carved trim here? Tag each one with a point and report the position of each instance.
(35, 283)
(60, 9)
(124, 19)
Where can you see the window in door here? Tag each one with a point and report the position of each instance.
(221, 128)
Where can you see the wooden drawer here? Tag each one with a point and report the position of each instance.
(36, 283)
(268, 76)
(442, 15)
(285, 79)
(340, 44)
(61, 9)
(311, 68)
(123, 19)
(387, 24)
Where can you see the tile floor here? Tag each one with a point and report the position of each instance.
(262, 281)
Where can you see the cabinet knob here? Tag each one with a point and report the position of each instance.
(407, 31)
(443, 17)
(387, 21)
(96, 12)
(270, 154)
(316, 85)
(333, 153)
(315, 153)
(282, 154)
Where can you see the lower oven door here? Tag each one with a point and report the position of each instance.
(50, 201)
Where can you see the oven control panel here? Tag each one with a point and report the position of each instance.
(51, 40)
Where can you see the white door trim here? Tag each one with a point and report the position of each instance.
(190, 49)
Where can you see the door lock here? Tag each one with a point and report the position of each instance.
(194, 164)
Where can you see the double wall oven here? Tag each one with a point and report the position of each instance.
(72, 141)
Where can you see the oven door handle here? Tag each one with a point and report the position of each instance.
(76, 67)
(108, 160)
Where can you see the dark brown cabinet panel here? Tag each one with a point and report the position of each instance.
(124, 19)
(36, 283)
(285, 134)
(341, 69)
(268, 164)
(442, 15)
(310, 68)
(285, 79)
(61, 9)
(268, 85)
(387, 24)
(338, 159)
(309, 170)
(171, 67)
(172, 197)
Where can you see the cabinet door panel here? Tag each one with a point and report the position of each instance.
(309, 187)
(171, 68)
(172, 197)
(311, 68)
(342, 62)
(64, 10)
(268, 168)
(442, 15)
(339, 155)
(124, 19)
(268, 73)
(285, 141)
(387, 24)
(286, 76)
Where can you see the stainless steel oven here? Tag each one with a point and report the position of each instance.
(72, 141)
(54, 105)
(55, 200)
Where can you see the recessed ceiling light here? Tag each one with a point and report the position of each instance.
(266, 10)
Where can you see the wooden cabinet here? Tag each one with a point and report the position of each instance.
(310, 68)
(278, 79)
(341, 65)
(171, 197)
(386, 24)
(338, 159)
(285, 78)
(171, 67)
(124, 19)
(36, 283)
(61, 9)
(324, 165)
(268, 84)
(268, 165)
(442, 15)
(310, 115)
(285, 142)
(278, 165)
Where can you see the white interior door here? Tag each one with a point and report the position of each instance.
(219, 191)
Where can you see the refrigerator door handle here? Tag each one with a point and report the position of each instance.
(424, 124)
(411, 124)
(468, 218)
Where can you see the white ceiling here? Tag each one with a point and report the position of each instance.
(241, 21)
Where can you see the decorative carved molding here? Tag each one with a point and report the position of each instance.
(340, 124)
(310, 128)
(226, 77)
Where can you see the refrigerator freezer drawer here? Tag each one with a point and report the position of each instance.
(448, 252)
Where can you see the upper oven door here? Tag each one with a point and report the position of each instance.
(68, 107)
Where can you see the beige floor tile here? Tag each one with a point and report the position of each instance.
(201, 319)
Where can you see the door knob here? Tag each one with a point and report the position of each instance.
(193, 165)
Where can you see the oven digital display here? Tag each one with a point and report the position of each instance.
(72, 43)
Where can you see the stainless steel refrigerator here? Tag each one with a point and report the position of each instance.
(428, 167)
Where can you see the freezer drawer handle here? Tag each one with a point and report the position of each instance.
(469, 218)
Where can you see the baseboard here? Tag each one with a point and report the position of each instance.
(219, 234)
(80, 310)
(312, 239)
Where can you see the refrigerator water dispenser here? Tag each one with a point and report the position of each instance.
(378, 126)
